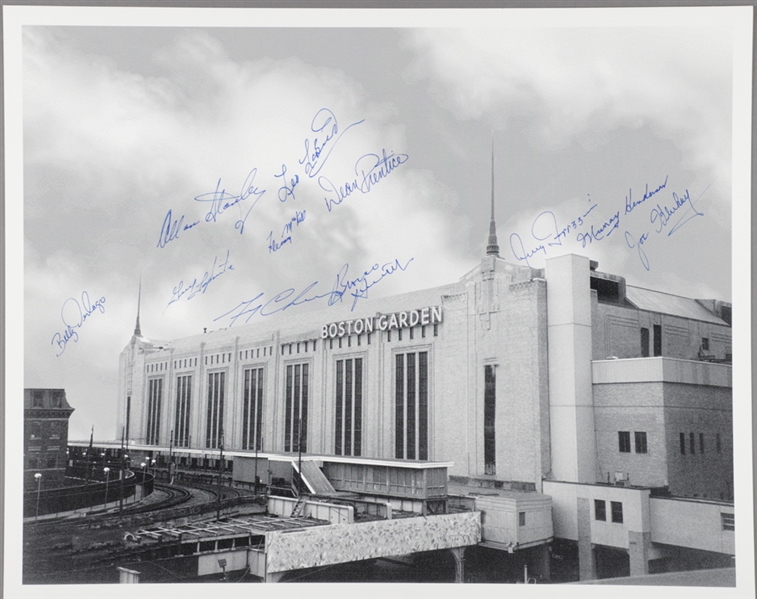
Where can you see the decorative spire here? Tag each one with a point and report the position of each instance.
(492, 248)
(137, 330)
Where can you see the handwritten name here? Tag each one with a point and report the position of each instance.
(370, 169)
(545, 229)
(631, 203)
(220, 200)
(74, 314)
(344, 285)
(660, 216)
(286, 233)
(200, 286)
(318, 149)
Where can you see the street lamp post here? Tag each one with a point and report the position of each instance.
(152, 463)
(38, 478)
(107, 480)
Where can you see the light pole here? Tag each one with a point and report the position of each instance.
(152, 463)
(38, 478)
(299, 456)
(107, 480)
(144, 472)
(220, 474)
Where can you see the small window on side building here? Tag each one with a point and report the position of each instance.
(617, 511)
(600, 510)
(624, 441)
(640, 440)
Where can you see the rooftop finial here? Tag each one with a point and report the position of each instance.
(137, 330)
(492, 248)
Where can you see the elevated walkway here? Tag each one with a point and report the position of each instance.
(314, 479)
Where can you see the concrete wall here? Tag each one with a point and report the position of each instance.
(617, 332)
(565, 498)
(672, 524)
(323, 545)
(570, 395)
(697, 409)
(634, 407)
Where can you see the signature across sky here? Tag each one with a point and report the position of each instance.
(225, 167)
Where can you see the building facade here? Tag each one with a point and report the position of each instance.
(46, 414)
(511, 373)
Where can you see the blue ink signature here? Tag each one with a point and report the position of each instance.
(370, 169)
(631, 204)
(171, 229)
(74, 314)
(286, 233)
(220, 200)
(638, 244)
(284, 191)
(288, 298)
(661, 215)
(601, 233)
(317, 152)
(544, 228)
(195, 287)
(359, 286)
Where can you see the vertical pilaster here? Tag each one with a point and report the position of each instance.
(586, 564)
(639, 544)
(459, 554)
(571, 403)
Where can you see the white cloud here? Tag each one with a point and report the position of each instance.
(109, 152)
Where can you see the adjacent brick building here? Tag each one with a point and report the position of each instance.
(46, 414)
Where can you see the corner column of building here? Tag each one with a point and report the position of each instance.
(459, 554)
(586, 564)
(571, 403)
(639, 544)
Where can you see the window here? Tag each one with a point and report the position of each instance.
(52, 460)
(701, 442)
(616, 508)
(692, 443)
(600, 510)
(183, 400)
(521, 518)
(624, 441)
(644, 342)
(35, 430)
(252, 418)
(38, 397)
(657, 340)
(296, 406)
(490, 403)
(214, 420)
(705, 344)
(411, 406)
(349, 407)
(718, 446)
(640, 442)
(154, 400)
(727, 521)
(682, 438)
(58, 396)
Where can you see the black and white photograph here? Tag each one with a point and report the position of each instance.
(451, 300)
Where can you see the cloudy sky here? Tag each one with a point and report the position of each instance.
(263, 159)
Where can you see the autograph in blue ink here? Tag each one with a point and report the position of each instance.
(285, 192)
(286, 233)
(318, 151)
(200, 287)
(74, 314)
(660, 216)
(631, 203)
(544, 228)
(632, 243)
(356, 288)
(370, 169)
(220, 200)
(171, 229)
